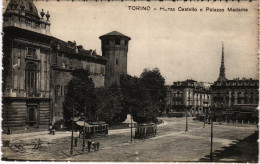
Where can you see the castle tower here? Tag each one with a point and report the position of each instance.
(222, 76)
(114, 48)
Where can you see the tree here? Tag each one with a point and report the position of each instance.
(135, 98)
(155, 85)
(80, 96)
(109, 107)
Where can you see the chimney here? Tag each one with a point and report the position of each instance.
(80, 47)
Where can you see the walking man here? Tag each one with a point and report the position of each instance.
(89, 145)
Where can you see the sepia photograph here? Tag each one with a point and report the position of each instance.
(130, 81)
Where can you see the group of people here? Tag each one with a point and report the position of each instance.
(95, 145)
(92, 142)
(76, 136)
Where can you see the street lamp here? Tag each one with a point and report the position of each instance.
(187, 111)
(211, 141)
(186, 121)
(204, 118)
(72, 128)
(131, 127)
(84, 131)
(205, 111)
(211, 135)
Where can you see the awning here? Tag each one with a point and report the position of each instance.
(76, 119)
(81, 123)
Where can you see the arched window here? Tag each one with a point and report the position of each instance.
(31, 77)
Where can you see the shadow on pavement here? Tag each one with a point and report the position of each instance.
(245, 150)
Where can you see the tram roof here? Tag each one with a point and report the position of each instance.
(81, 123)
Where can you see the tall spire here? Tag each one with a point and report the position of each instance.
(222, 76)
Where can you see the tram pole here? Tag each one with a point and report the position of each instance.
(131, 128)
(211, 141)
(211, 133)
(72, 129)
(204, 117)
(84, 131)
(186, 121)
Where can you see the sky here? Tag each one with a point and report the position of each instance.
(183, 45)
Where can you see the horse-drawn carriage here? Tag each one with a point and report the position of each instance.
(143, 131)
(92, 129)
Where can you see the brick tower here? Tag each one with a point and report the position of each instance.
(114, 48)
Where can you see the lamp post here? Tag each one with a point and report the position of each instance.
(131, 128)
(211, 135)
(84, 131)
(187, 111)
(204, 118)
(205, 111)
(211, 141)
(72, 128)
(186, 121)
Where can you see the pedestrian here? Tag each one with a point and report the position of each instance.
(89, 145)
(39, 143)
(53, 131)
(50, 129)
(76, 136)
(98, 144)
(95, 145)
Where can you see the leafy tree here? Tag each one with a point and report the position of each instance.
(135, 98)
(155, 85)
(80, 96)
(109, 107)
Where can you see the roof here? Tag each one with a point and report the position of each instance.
(114, 33)
(237, 82)
(29, 6)
(67, 48)
(81, 123)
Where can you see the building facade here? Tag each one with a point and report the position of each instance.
(237, 92)
(191, 95)
(37, 67)
(230, 93)
(26, 67)
(66, 57)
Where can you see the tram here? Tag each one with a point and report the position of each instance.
(175, 114)
(144, 131)
(93, 129)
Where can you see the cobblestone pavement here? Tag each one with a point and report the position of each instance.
(172, 143)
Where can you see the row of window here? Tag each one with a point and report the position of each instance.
(117, 41)
(60, 90)
(70, 63)
(238, 94)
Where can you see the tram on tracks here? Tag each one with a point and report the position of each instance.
(144, 131)
(92, 129)
(175, 114)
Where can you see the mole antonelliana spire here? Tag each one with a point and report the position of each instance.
(222, 76)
